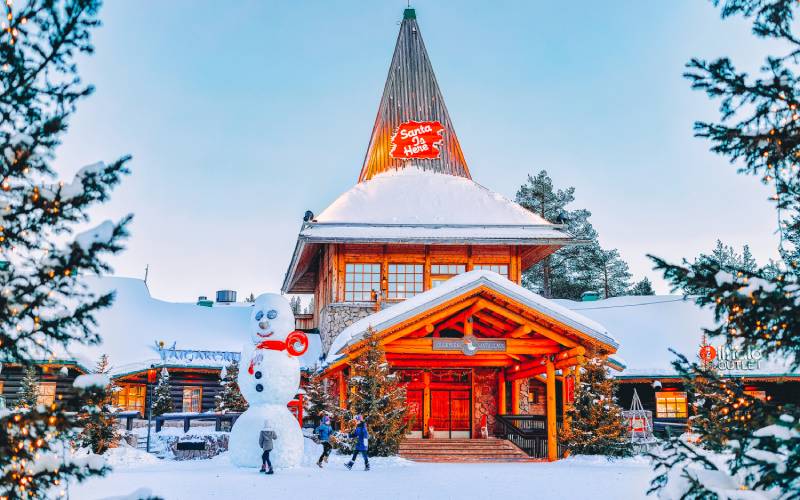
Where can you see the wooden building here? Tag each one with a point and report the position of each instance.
(433, 262)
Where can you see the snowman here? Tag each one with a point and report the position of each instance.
(269, 377)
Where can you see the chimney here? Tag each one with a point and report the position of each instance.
(226, 296)
(203, 301)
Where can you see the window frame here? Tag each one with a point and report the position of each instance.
(437, 278)
(417, 282)
(351, 270)
(487, 266)
(124, 391)
(41, 394)
(672, 406)
(190, 388)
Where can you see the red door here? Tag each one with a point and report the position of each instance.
(450, 411)
(414, 402)
(440, 411)
(459, 410)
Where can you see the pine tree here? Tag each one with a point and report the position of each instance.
(29, 389)
(375, 394)
(605, 271)
(310, 307)
(162, 397)
(39, 90)
(250, 298)
(642, 287)
(319, 400)
(756, 308)
(96, 418)
(230, 398)
(596, 424)
(294, 302)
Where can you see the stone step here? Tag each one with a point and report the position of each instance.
(462, 450)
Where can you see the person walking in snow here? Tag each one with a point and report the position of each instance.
(265, 438)
(361, 436)
(324, 433)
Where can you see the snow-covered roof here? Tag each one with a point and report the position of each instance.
(132, 326)
(647, 327)
(460, 285)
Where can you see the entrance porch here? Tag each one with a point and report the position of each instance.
(481, 357)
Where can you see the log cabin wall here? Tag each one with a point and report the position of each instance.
(207, 380)
(12, 375)
(333, 259)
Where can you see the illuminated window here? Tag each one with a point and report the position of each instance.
(130, 397)
(443, 272)
(405, 280)
(762, 395)
(192, 399)
(501, 269)
(47, 393)
(671, 405)
(360, 280)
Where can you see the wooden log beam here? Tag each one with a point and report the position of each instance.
(501, 393)
(552, 443)
(529, 347)
(426, 401)
(522, 320)
(521, 331)
(515, 386)
(342, 389)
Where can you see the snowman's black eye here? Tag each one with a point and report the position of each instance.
(259, 315)
(272, 314)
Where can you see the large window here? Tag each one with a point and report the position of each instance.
(501, 269)
(360, 280)
(405, 280)
(671, 405)
(130, 397)
(192, 399)
(443, 272)
(47, 393)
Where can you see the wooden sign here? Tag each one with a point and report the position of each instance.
(417, 140)
(469, 345)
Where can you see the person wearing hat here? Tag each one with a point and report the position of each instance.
(324, 433)
(361, 436)
(265, 438)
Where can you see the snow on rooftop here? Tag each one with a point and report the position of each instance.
(414, 196)
(647, 327)
(459, 285)
(132, 326)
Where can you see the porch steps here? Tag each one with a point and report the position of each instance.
(462, 450)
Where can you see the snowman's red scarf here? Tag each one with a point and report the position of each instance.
(273, 345)
(296, 337)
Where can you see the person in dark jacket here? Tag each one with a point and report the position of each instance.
(324, 433)
(265, 438)
(361, 436)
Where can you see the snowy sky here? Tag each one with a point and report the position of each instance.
(242, 115)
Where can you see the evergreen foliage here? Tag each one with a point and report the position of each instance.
(39, 90)
(230, 398)
(571, 270)
(596, 426)
(294, 302)
(29, 388)
(319, 400)
(642, 287)
(757, 307)
(250, 298)
(96, 418)
(376, 395)
(162, 397)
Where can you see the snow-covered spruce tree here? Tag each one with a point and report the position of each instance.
(375, 394)
(230, 398)
(596, 426)
(162, 395)
(757, 307)
(44, 303)
(642, 287)
(319, 400)
(29, 388)
(604, 271)
(96, 418)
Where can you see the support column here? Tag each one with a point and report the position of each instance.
(501, 392)
(552, 443)
(426, 401)
(515, 396)
(342, 389)
(564, 395)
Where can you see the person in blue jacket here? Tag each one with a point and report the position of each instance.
(324, 433)
(361, 436)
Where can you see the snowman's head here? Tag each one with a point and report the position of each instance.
(271, 319)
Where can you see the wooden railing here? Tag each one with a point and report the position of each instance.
(217, 418)
(527, 432)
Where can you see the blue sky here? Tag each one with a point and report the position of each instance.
(241, 115)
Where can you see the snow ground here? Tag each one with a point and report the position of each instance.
(390, 478)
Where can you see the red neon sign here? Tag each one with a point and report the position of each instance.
(707, 353)
(417, 140)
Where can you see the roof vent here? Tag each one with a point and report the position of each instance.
(226, 296)
(590, 296)
(203, 301)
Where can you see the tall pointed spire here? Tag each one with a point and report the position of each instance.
(412, 126)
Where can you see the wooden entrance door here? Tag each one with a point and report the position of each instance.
(450, 413)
